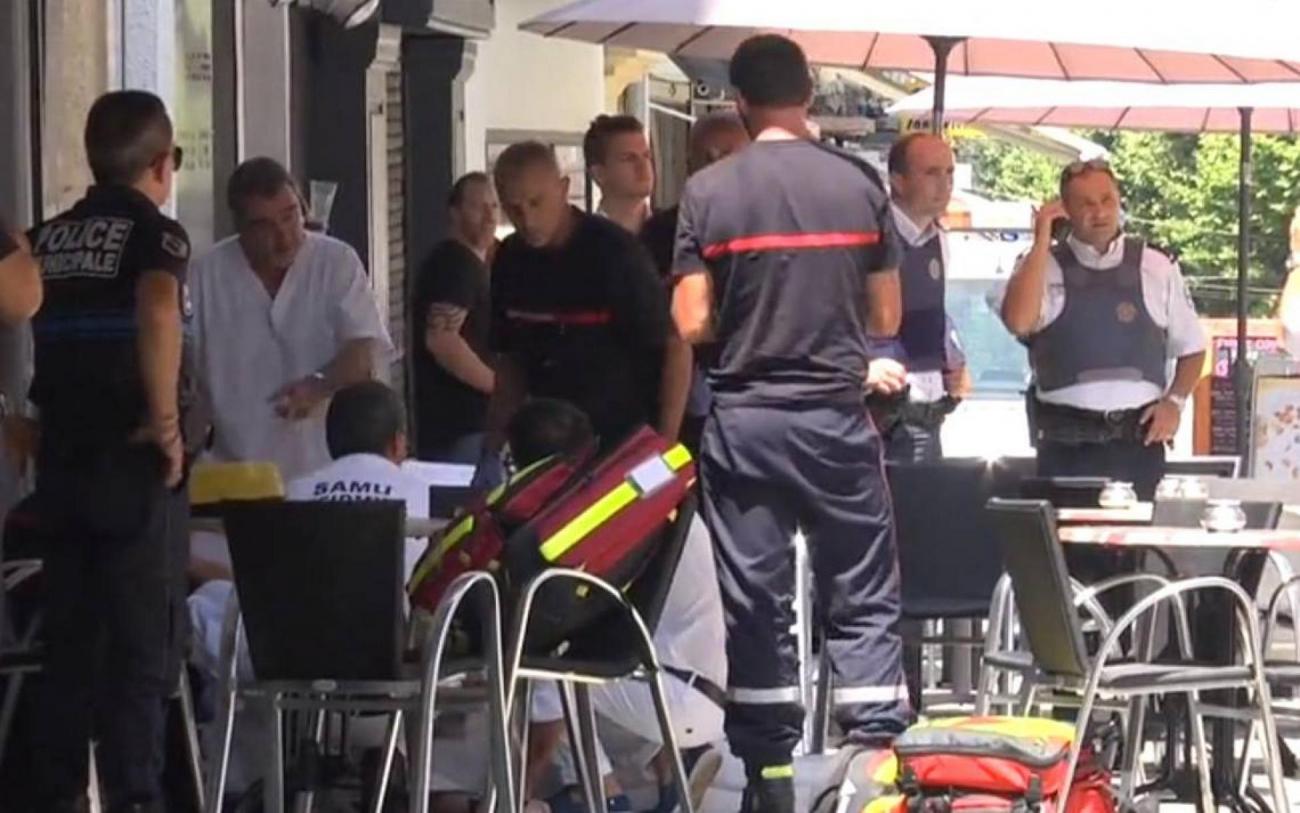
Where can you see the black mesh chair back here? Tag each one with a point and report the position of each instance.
(1064, 492)
(948, 551)
(320, 587)
(1032, 556)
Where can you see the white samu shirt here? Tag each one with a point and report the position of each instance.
(367, 477)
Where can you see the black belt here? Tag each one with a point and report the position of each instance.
(1072, 425)
(700, 684)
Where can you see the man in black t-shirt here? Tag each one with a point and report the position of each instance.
(453, 377)
(110, 384)
(20, 278)
(577, 310)
(786, 257)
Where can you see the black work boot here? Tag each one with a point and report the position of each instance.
(769, 789)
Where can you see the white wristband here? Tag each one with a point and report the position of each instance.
(1178, 400)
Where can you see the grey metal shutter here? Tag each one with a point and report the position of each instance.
(396, 146)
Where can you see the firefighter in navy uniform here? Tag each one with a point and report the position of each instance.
(110, 462)
(1104, 315)
(786, 257)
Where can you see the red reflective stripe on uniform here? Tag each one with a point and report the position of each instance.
(778, 242)
(571, 318)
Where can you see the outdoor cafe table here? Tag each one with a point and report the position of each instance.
(1244, 551)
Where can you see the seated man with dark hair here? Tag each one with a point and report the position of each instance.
(365, 429)
(546, 426)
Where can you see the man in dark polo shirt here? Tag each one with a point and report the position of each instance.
(577, 310)
(785, 257)
(453, 376)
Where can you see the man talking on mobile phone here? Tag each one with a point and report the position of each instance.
(1105, 317)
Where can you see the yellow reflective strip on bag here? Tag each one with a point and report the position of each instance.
(496, 493)
(1020, 727)
(885, 804)
(600, 511)
(677, 457)
(581, 525)
(447, 542)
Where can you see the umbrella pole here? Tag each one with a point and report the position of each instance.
(942, 47)
(1241, 368)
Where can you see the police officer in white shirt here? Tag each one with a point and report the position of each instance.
(284, 318)
(1103, 315)
(926, 350)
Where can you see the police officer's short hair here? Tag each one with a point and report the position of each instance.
(770, 70)
(461, 187)
(521, 156)
(256, 178)
(595, 144)
(126, 132)
(364, 418)
(547, 426)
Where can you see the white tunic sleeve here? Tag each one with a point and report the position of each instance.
(356, 316)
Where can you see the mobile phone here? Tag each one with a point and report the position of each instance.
(1060, 228)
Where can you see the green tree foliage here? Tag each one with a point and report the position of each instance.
(1180, 191)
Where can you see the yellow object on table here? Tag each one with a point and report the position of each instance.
(212, 483)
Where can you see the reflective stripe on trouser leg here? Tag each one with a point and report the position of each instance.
(848, 521)
(751, 517)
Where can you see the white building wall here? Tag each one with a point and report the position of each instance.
(522, 81)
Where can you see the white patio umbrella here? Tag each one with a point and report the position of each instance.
(1161, 41)
(1270, 107)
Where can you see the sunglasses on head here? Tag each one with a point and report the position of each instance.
(1093, 164)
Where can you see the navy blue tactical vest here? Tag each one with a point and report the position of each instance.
(923, 329)
(1104, 332)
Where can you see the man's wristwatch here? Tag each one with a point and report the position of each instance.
(1177, 400)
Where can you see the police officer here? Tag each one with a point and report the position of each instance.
(785, 256)
(920, 185)
(110, 462)
(1103, 314)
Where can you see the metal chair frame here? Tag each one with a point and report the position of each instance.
(575, 688)
(1134, 682)
(416, 697)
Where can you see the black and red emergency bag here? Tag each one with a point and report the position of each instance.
(603, 514)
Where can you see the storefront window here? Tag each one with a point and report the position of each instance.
(192, 111)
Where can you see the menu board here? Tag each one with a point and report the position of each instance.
(1275, 422)
(1223, 401)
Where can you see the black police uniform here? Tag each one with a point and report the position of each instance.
(789, 232)
(586, 322)
(115, 620)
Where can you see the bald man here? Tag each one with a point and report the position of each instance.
(713, 137)
(918, 377)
